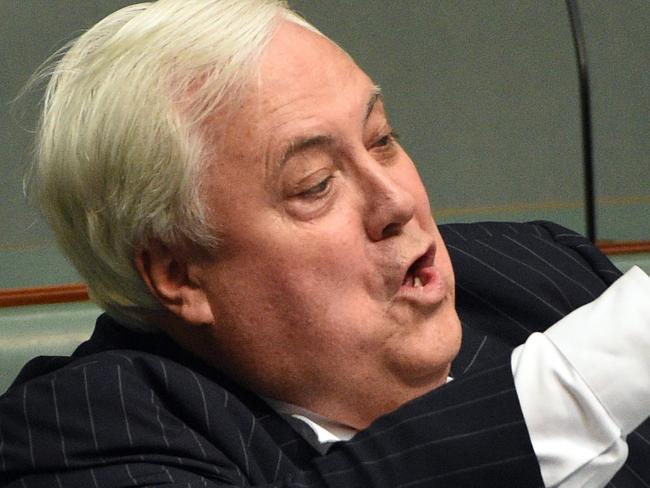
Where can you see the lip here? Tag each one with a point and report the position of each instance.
(434, 289)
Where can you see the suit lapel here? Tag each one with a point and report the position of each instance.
(478, 351)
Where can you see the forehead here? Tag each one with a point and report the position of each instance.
(305, 75)
(306, 87)
(299, 51)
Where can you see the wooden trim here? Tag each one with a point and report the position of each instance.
(42, 295)
(612, 248)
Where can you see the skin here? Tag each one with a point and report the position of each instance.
(320, 213)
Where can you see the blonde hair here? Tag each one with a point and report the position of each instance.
(120, 151)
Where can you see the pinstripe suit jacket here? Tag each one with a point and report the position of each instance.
(133, 410)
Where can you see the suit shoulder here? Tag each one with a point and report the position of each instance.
(113, 408)
(463, 232)
(519, 278)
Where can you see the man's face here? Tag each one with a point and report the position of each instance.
(332, 289)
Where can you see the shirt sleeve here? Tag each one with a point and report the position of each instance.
(584, 384)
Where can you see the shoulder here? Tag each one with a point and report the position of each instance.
(536, 246)
(122, 404)
(516, 278)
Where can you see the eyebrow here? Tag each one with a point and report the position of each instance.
(374, 97)
(303, 143)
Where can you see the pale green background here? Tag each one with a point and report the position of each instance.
(483, 93)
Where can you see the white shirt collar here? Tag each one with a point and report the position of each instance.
(322, 432)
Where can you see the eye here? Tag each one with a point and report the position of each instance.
(317, 190)
(387, 140)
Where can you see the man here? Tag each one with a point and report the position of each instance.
(220, 172)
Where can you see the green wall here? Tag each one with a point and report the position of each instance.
(41, 330)
(483, 93)
(31, 31)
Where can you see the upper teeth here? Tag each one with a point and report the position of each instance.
(417, 282)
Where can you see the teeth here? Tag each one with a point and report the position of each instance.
(417, 282)
(408, 280)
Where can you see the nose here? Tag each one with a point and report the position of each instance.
(389, 204)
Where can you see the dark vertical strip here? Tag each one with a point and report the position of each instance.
(58, 424)
(29, 428)
(124, 411)
(585, 108)
(90, 410)
(3, 462)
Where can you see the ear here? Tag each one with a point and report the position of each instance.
(170, 278)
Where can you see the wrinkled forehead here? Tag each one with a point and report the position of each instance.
(302, 54)
(301, 79)
(304, 74)
(308, 92)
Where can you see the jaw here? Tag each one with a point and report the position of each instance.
(413, 359)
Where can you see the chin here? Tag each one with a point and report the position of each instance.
(422, 370)
(429, 368)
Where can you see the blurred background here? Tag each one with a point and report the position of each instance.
(484, 94)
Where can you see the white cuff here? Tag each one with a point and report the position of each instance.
(585, 383)
(608, 342)
(568, 426)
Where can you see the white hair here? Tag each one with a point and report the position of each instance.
(120, 151)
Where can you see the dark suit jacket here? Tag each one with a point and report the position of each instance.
(132, 409)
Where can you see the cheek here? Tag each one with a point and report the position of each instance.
(294, 274)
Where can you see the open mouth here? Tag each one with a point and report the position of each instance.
(416, 275)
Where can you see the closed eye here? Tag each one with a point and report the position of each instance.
(317, 190)
(387, 140)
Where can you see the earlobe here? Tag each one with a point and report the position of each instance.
(169, 278)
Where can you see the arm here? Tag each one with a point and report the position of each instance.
(516, 279)
(126, 419)
(602, 374)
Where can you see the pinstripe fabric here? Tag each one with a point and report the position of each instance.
(133, 410)
(521, 279)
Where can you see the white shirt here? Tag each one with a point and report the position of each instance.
(593, 368)
(580, 393)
